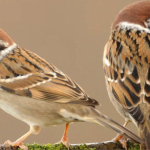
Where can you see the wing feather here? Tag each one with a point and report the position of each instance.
(26, 74)
(121, 58)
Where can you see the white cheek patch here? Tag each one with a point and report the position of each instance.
(6, 51)
(128, 26)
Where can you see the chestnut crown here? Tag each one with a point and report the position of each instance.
(136, 13)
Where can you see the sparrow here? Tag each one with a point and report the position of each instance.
(126, 63)
(39, 94)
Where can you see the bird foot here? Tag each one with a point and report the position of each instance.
(16, 143)
(122, 140)
(65, 142)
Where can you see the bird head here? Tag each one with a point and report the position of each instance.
(137, 14)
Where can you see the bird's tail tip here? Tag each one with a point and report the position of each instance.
(106, 121)
(144, 133)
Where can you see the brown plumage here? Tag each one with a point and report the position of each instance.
(127, 67)
(39, 94)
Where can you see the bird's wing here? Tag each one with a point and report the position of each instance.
(26, 74)
(123, 56)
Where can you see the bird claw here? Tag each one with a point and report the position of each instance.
(8, 142)
(64, 142)
(16, 143)
(122, 140)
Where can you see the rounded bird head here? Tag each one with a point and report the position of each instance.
(137, 14)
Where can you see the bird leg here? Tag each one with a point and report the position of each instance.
(121, 137)
(64, 139)
(33, 130)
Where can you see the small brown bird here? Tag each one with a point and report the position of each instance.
(39, 94)
(127, 67)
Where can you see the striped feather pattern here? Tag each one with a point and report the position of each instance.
(126, 59)
(26, 74)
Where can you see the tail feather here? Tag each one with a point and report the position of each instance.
(101, 119)
(144, 134)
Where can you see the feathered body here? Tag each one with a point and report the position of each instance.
(127, 66)
(39, 94)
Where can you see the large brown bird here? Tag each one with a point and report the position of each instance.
(39, 94)
(127, 67)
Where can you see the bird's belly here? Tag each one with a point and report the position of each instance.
(31, 111)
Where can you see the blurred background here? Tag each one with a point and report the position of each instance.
(71, 35)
